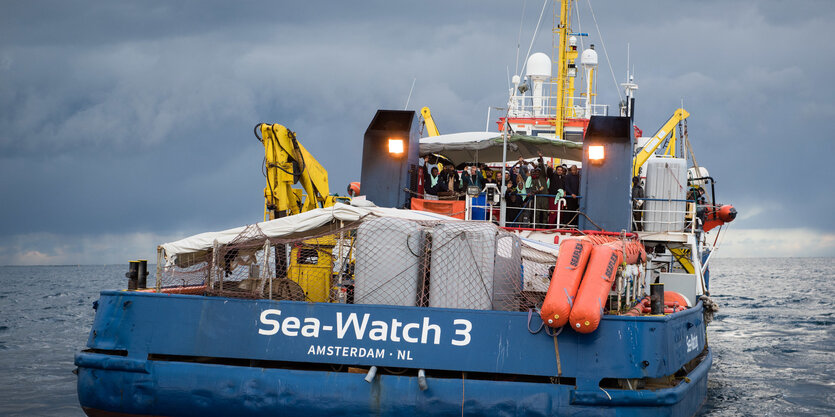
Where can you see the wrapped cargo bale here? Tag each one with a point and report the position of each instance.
(388, 268)
(472, 268)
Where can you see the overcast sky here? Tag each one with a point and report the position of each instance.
(124, 125)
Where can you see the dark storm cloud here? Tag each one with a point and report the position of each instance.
(136, 117)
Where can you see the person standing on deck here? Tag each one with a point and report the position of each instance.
(514, 202)
(539, 186)
(473, 177)
(556, 188)
(572, 190)
(637, 203)
(450, 180)
(432, 182)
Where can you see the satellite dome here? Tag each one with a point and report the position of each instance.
(589, 58)
(539, 64)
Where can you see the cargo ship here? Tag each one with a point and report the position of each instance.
(443, 293)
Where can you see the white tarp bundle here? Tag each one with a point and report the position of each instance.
(194, 249)
(487, 147)
(197, 246)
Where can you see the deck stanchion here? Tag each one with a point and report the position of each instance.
(132, 275)
(656, 298)
(142, 274)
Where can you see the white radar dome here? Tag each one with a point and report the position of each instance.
(539, 65)
(572, 41)
(589, 58)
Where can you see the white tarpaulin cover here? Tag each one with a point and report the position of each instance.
(194, 249)
(306, 223)
(487, 147)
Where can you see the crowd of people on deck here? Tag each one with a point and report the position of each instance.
(536, 192)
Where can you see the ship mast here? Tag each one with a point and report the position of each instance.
(561, 31)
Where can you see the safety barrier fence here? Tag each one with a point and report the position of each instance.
(546, 106)
(537, 211)
(377, 260)
(664, 215)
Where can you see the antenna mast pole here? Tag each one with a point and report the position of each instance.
(561, 30)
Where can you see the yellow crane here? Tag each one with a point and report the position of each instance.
(657, 139)
(287, 162)
(431, 128)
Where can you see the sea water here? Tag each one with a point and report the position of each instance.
(773, 338)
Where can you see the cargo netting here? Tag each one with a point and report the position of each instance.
(378, 260)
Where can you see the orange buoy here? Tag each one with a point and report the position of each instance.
(354, 189)
(571, 264)
(675, 297)
(598, 279)
(718, 215)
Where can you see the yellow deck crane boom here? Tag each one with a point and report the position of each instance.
(287, 162)
(431, 128)
(657, 139)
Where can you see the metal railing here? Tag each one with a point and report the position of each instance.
(664, 215)
(526, 214)
(546, 106)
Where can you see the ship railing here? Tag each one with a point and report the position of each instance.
(664, 215)
(546, 106)
(526, 213)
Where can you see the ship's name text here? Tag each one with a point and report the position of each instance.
(360, 328)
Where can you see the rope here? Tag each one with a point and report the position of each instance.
(541, 323)
(605, 52)
(579, 28)
(463, 377)
(589, 219)
(710, 307)
(519, 37)
(557, 353)
(690, 149)
(556, 333)
(535, 32)
(453, 197)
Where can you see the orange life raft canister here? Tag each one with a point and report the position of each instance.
(597, 281)
(571, 264)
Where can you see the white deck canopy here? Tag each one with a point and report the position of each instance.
(487, 147)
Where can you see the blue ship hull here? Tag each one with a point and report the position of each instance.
(179, 355)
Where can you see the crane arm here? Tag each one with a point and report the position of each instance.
(287, 162)
(657, 139)
(431, 128)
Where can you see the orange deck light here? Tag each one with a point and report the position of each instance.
(596, 154)
(395, 146)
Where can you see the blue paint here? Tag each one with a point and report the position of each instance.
(145, 324)
(606, 186)
(385, 176)
(478, 210)
(191, 389)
